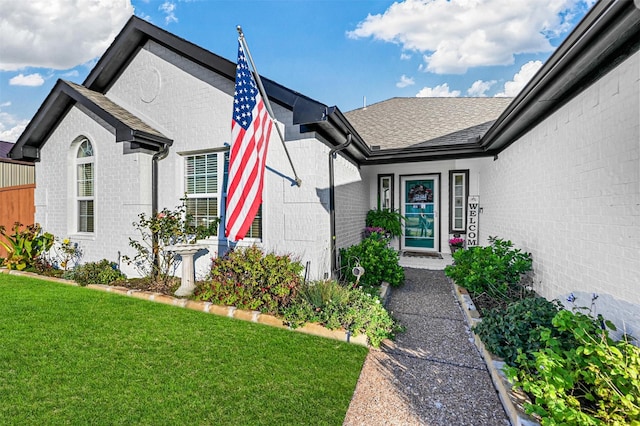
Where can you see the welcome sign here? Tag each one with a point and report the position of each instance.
(472, 221)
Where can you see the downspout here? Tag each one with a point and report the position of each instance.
(332, 201)
(158, 156)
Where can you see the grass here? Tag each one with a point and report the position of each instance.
(72, 355)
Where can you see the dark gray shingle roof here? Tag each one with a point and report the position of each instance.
(115, 110)
(405, 122)
(5, 147)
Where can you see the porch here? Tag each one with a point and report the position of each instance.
(431, 261)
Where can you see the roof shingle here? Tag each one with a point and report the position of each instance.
(404, 122)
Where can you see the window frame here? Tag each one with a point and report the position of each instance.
(390, 178)
(79, 162)
(452, 196)
(220, 195)
(206, 195)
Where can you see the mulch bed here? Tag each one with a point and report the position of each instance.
(484, 302)
(145, 284)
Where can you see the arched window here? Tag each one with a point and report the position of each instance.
(85, 186)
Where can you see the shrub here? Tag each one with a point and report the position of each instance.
(387, 219)
(102, 272)
(24, 246)
(379, 261)
(492, 269)
(517, 329)
(249, 279)
(156, 232)
(335, 306)
(595, 381)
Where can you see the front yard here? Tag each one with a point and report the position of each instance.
(74, 355)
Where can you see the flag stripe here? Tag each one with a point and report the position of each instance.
(250, 132)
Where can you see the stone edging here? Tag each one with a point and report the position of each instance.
(512, 401)
(208, 307)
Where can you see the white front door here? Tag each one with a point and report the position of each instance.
(420, 201)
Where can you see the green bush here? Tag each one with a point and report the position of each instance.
(595, 381)
(492, 269)
(249, 279)
(102, 272)
(387, 219)
(335, 306)
(24, 246)
(379, 261)
(506, 333)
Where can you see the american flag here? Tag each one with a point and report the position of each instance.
(250, 132)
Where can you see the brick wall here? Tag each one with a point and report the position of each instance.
(352, 203)
(120, 193)
(192, 106)
(569, 192)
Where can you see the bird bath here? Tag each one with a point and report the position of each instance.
(186, 251)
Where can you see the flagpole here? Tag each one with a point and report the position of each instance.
(263, 92)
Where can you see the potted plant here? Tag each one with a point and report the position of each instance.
(455, 244)
(387, 219)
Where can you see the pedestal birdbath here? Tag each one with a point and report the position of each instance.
(186, 251)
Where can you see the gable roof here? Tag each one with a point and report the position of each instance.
(128, 128)
(609, 33)
(411, 122)
(133, 37)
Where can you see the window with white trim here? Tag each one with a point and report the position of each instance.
(201, 187)
(205, 186)
(85, 175)
(385, 192)
(458, 193)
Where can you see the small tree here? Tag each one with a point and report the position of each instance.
(166, 228)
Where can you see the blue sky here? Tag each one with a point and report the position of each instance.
(334, 51)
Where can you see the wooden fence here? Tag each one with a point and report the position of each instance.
(16, 205)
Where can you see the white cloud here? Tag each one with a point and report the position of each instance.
(168, 8)
(58, 34)
(520, 79)
(10, 127)
(72, 73)
(405, 81)
(479, 88)
(459, 34)
(440, 91)
(5, 104)
(405, 56)
(145, 17)
(32, 80)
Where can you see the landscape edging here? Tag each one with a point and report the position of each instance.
(514, 411)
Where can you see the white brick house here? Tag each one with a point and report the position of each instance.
(557, 169)
(152, 91)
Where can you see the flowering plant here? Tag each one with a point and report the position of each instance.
(456, 242)
(69, 254)
(374, 229)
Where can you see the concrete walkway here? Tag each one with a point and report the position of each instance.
(432, 374)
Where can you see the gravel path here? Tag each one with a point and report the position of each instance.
(432, 374)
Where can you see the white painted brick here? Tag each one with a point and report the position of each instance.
(569, 191)
(192, 107)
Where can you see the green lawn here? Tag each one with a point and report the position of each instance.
(72, 355)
